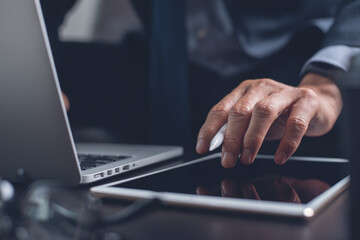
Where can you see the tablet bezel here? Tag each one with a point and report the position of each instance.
(306, 210)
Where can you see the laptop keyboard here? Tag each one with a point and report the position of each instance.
(88, 161)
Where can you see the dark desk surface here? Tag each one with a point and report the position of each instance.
(176, 223)
(164, 222)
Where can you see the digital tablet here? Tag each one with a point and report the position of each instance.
(299, 188)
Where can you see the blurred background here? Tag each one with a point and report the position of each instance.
(101, 53)
(99, 21)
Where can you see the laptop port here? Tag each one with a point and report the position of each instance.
(99, 175)
(126, 167)
(117, 170)
(109, 172)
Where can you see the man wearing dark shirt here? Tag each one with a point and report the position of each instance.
(229, 42)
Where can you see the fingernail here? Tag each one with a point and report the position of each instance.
(246, 156)
(228, 159)
(201, 146)
(281, 158)
(227, 189)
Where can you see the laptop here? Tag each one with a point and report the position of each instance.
(35, 136)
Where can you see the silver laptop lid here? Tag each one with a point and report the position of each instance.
(34, 130)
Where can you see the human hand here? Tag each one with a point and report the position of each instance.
(66, 101)
(264, 109)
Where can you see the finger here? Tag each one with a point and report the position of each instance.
(238, 122)
(229, 189)
(277, 129)
(286, 193)
(296, 126)
(208, 190)
(202, 191)
(248, 191)
(217, 116)
(265, 113)
(309, 189)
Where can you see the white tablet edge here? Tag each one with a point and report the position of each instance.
(307, 210)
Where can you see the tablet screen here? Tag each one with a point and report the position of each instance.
(296, 181)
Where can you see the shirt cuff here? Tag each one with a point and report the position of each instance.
(331, 61)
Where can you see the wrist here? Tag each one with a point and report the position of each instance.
(320, 84)
(327, 90)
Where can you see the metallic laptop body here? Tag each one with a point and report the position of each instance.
(35, 136)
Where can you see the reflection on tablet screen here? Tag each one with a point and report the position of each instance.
(295, 182)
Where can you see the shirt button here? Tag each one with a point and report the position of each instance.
(201, 33)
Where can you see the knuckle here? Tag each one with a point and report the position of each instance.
(219, 110)
(232, 142)
(292, 145)
(298, 124)
(244, 85)
(265, 109)
(205, 132)
(251, 142)
(247, 82)
(307, 93)
(243, 110)
(265, 82)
